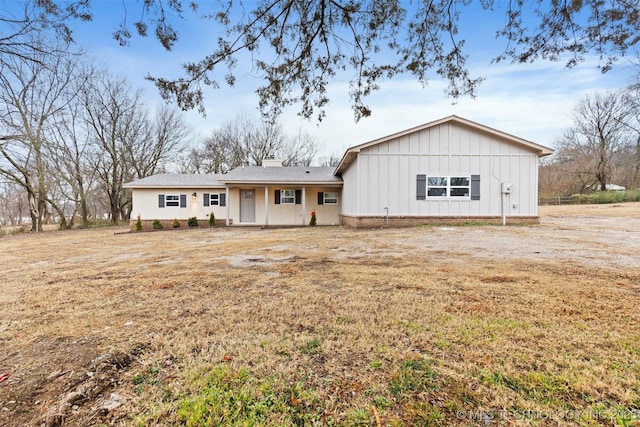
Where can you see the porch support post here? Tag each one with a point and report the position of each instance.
(266, 205)
(304, 204)
(227, 202)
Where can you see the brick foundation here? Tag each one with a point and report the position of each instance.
(412, 221)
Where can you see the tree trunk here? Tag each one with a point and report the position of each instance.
(84, 212)
(63, 219)
(636, 173)
(33, 210)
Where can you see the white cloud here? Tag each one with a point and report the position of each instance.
(532, 101)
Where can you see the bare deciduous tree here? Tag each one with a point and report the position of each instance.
(166, 134)
(248, 141)
(32, 95)
(24, 25)
(13, 204)
(127, 142)
(592, 149)
(73, 173)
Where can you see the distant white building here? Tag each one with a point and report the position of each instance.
(614, 187)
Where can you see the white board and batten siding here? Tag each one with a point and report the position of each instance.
(385, 174)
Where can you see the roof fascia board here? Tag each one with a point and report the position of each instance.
(260, 182)
(155, 186)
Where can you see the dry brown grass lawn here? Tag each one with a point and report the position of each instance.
(422, 326)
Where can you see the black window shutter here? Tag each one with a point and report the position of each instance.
(320, 198)
(161, 200)
(222, 199)
(205, 198)
(475, 187)
(183, 200)
(298, 197)
(277, 197)
(421, 187)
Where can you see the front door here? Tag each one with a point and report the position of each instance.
(247, 206)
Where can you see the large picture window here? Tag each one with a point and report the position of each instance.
(448, 186)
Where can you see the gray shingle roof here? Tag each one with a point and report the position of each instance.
(281, 175)
(180, 180)
(246, 174)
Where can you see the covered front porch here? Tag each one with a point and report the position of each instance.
(276, 195)
(282, 205)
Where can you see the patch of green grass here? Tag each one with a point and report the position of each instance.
(632, 345)
(413, 376)
(612, 413)
(510, 324)
(498, 379)
(224, 396)
(358, 417)
(544, 388)
(410, 325)
(312, 346)
(424, 414)
(381, 402)
(444, 318)
(149, 377)
(375, 364)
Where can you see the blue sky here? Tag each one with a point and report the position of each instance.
(532, 101)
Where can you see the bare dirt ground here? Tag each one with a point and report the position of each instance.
(106, 327)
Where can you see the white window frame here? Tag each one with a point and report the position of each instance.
(287, 197)
(441, 182)
(330, 198)
(214, 199)
(172, 200)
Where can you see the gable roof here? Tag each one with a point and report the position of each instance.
(177, 180)
(351, 153)
(281, 175)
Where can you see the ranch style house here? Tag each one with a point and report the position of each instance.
(445, 171)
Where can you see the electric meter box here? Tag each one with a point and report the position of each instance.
(507, 187)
